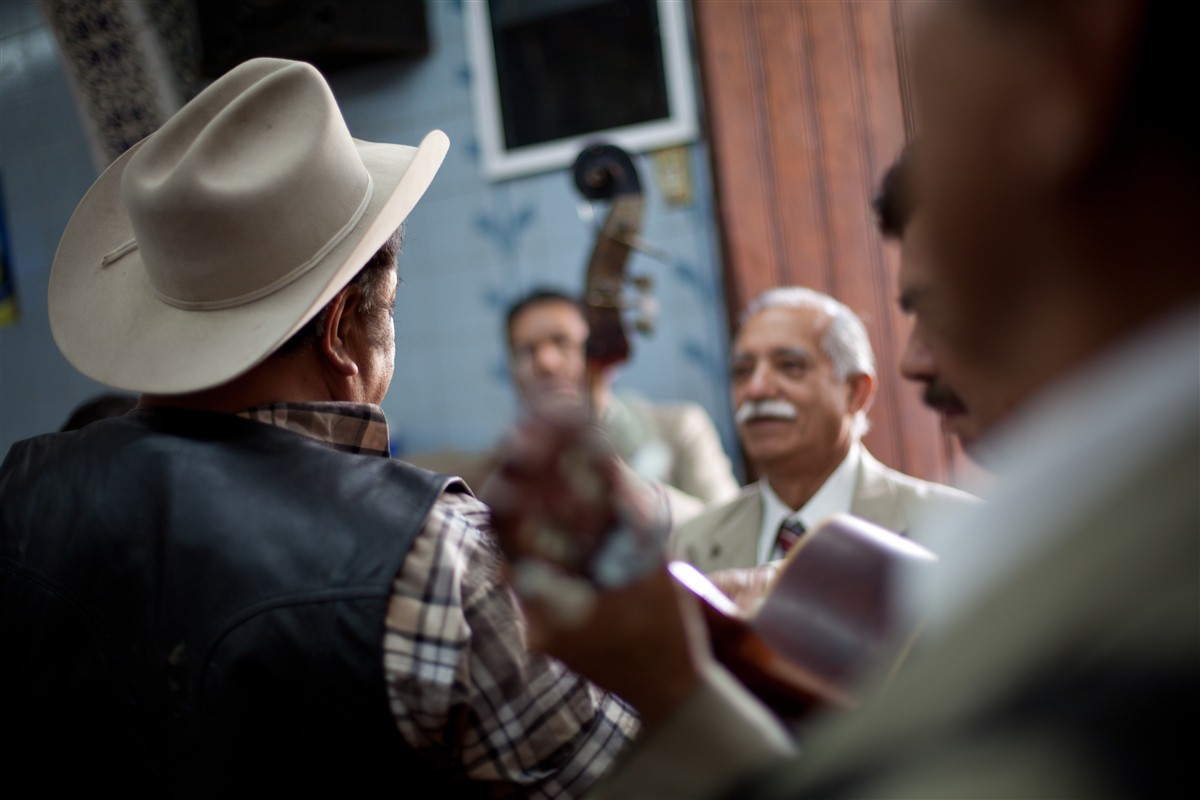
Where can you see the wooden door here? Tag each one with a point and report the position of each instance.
(805, 111)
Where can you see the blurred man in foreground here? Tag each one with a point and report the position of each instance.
(1061, 175)
(928, 358)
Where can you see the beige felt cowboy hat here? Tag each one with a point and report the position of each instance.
(206, 245)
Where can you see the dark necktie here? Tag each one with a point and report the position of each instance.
(790, 531)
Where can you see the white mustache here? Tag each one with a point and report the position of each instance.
(760, 409)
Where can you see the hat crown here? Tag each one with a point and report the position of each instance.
(246, 188)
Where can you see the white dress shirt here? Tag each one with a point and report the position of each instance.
(834, 497)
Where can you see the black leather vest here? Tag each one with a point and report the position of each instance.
(193, 604)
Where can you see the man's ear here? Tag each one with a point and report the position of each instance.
(340, 330)
(861, 389)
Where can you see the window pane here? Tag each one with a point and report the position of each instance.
(568, 67)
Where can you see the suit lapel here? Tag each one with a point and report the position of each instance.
(875, 497)
(733, 539)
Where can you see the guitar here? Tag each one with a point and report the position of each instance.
(826, 617)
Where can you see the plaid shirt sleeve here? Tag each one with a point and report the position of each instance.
(466, 693)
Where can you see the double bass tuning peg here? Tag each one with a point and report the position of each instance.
(636, 242)
(645, 312)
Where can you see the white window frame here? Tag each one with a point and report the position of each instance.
(500, 163)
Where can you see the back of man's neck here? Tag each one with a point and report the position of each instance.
(267, 383)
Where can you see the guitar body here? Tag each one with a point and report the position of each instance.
(827, 616)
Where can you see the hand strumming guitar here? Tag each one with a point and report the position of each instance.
(746, 586)
(583, 538)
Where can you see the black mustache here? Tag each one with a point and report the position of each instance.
(941, 397)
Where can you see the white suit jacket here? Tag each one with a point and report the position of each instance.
(694, 472)
(727, 535)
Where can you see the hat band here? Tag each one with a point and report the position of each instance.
(284, 280)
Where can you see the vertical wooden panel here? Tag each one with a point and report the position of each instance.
(733, 60)
(795, 153)
(805, 113)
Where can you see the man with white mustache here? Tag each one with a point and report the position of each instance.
(803, 378)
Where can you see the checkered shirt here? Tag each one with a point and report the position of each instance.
(465, 692)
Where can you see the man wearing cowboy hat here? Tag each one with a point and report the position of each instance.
(232, 588)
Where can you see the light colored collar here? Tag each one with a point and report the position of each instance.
(834, 497)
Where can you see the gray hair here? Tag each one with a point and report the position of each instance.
(845, 341)
(367, 280)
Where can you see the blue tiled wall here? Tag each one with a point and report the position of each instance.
(471, 247)
(45, 167)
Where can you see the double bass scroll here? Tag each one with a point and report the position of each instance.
(606, 172)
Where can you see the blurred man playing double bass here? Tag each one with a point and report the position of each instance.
(674, 445)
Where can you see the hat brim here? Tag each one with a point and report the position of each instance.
(113, 327)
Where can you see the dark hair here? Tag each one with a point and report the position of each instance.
(101, 406)
(537, 296)
(896, 203)
(1151, 115)
(367, 280)
(1148, 113)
